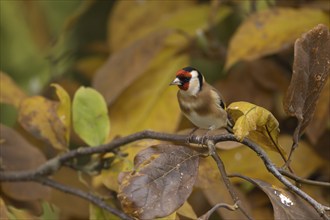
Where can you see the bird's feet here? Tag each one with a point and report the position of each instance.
(191, 134)
(205, 138)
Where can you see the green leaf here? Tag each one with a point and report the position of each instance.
(50, 211)
(90, 116)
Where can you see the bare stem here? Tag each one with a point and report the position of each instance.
(226, 180)
(214, 208)
(54, 164)
(302, 180)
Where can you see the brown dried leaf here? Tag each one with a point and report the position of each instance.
(39, 117)
(161, 182)
(310, 71)
(17, 154)
(263, 78)
(286, 205)
(125, 66)
(10, 93)
(321, 117)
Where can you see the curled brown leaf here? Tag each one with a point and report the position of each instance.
(310, 71)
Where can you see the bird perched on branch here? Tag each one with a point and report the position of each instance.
(201, 103)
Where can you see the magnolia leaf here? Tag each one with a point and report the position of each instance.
(256, 123)
(108, 177)
(187, 211)
(90, 116)
(127, 65)
(38, 116)
(10, 93)
(19, 155)
(161, 182)
(271, 30)
(146, 104)
(128, 22)
(286, 205)
(310, 72)
(258, 170)
(319, 123)
(64, 109)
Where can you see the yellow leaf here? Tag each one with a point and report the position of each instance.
(187, 211)
(39, 117)
(269, 31)
(255, 168)
(129, 21)
(10, 93)
(64, 109)
(256, 123)
(127, 65)
(149, 103)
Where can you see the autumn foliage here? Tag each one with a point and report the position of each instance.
(73, 107)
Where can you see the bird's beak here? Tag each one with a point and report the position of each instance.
(176, 81)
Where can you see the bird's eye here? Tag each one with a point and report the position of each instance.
(184, 79)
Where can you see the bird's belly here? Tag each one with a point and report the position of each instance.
(206, 122)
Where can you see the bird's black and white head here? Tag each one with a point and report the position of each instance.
(189, 80)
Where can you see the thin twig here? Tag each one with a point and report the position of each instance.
(295, 138)
(53, 165)
(302, 180)
(214, 208)
(271, 168)
(278, 149)
(79, 193)
(226, 180)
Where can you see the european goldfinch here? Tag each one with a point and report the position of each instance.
(200, 102)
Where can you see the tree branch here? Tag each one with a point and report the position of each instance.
(226, 180)
(79, 193)
(214, 208)
(53, 165)
(272, 168)
(302, 180)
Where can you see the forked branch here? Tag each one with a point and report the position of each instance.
(51, 166)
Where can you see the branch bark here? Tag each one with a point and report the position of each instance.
(226, 180)
(54, 164)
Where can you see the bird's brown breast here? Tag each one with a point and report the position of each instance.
(203, 103)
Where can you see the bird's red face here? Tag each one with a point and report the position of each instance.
(182, 79)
